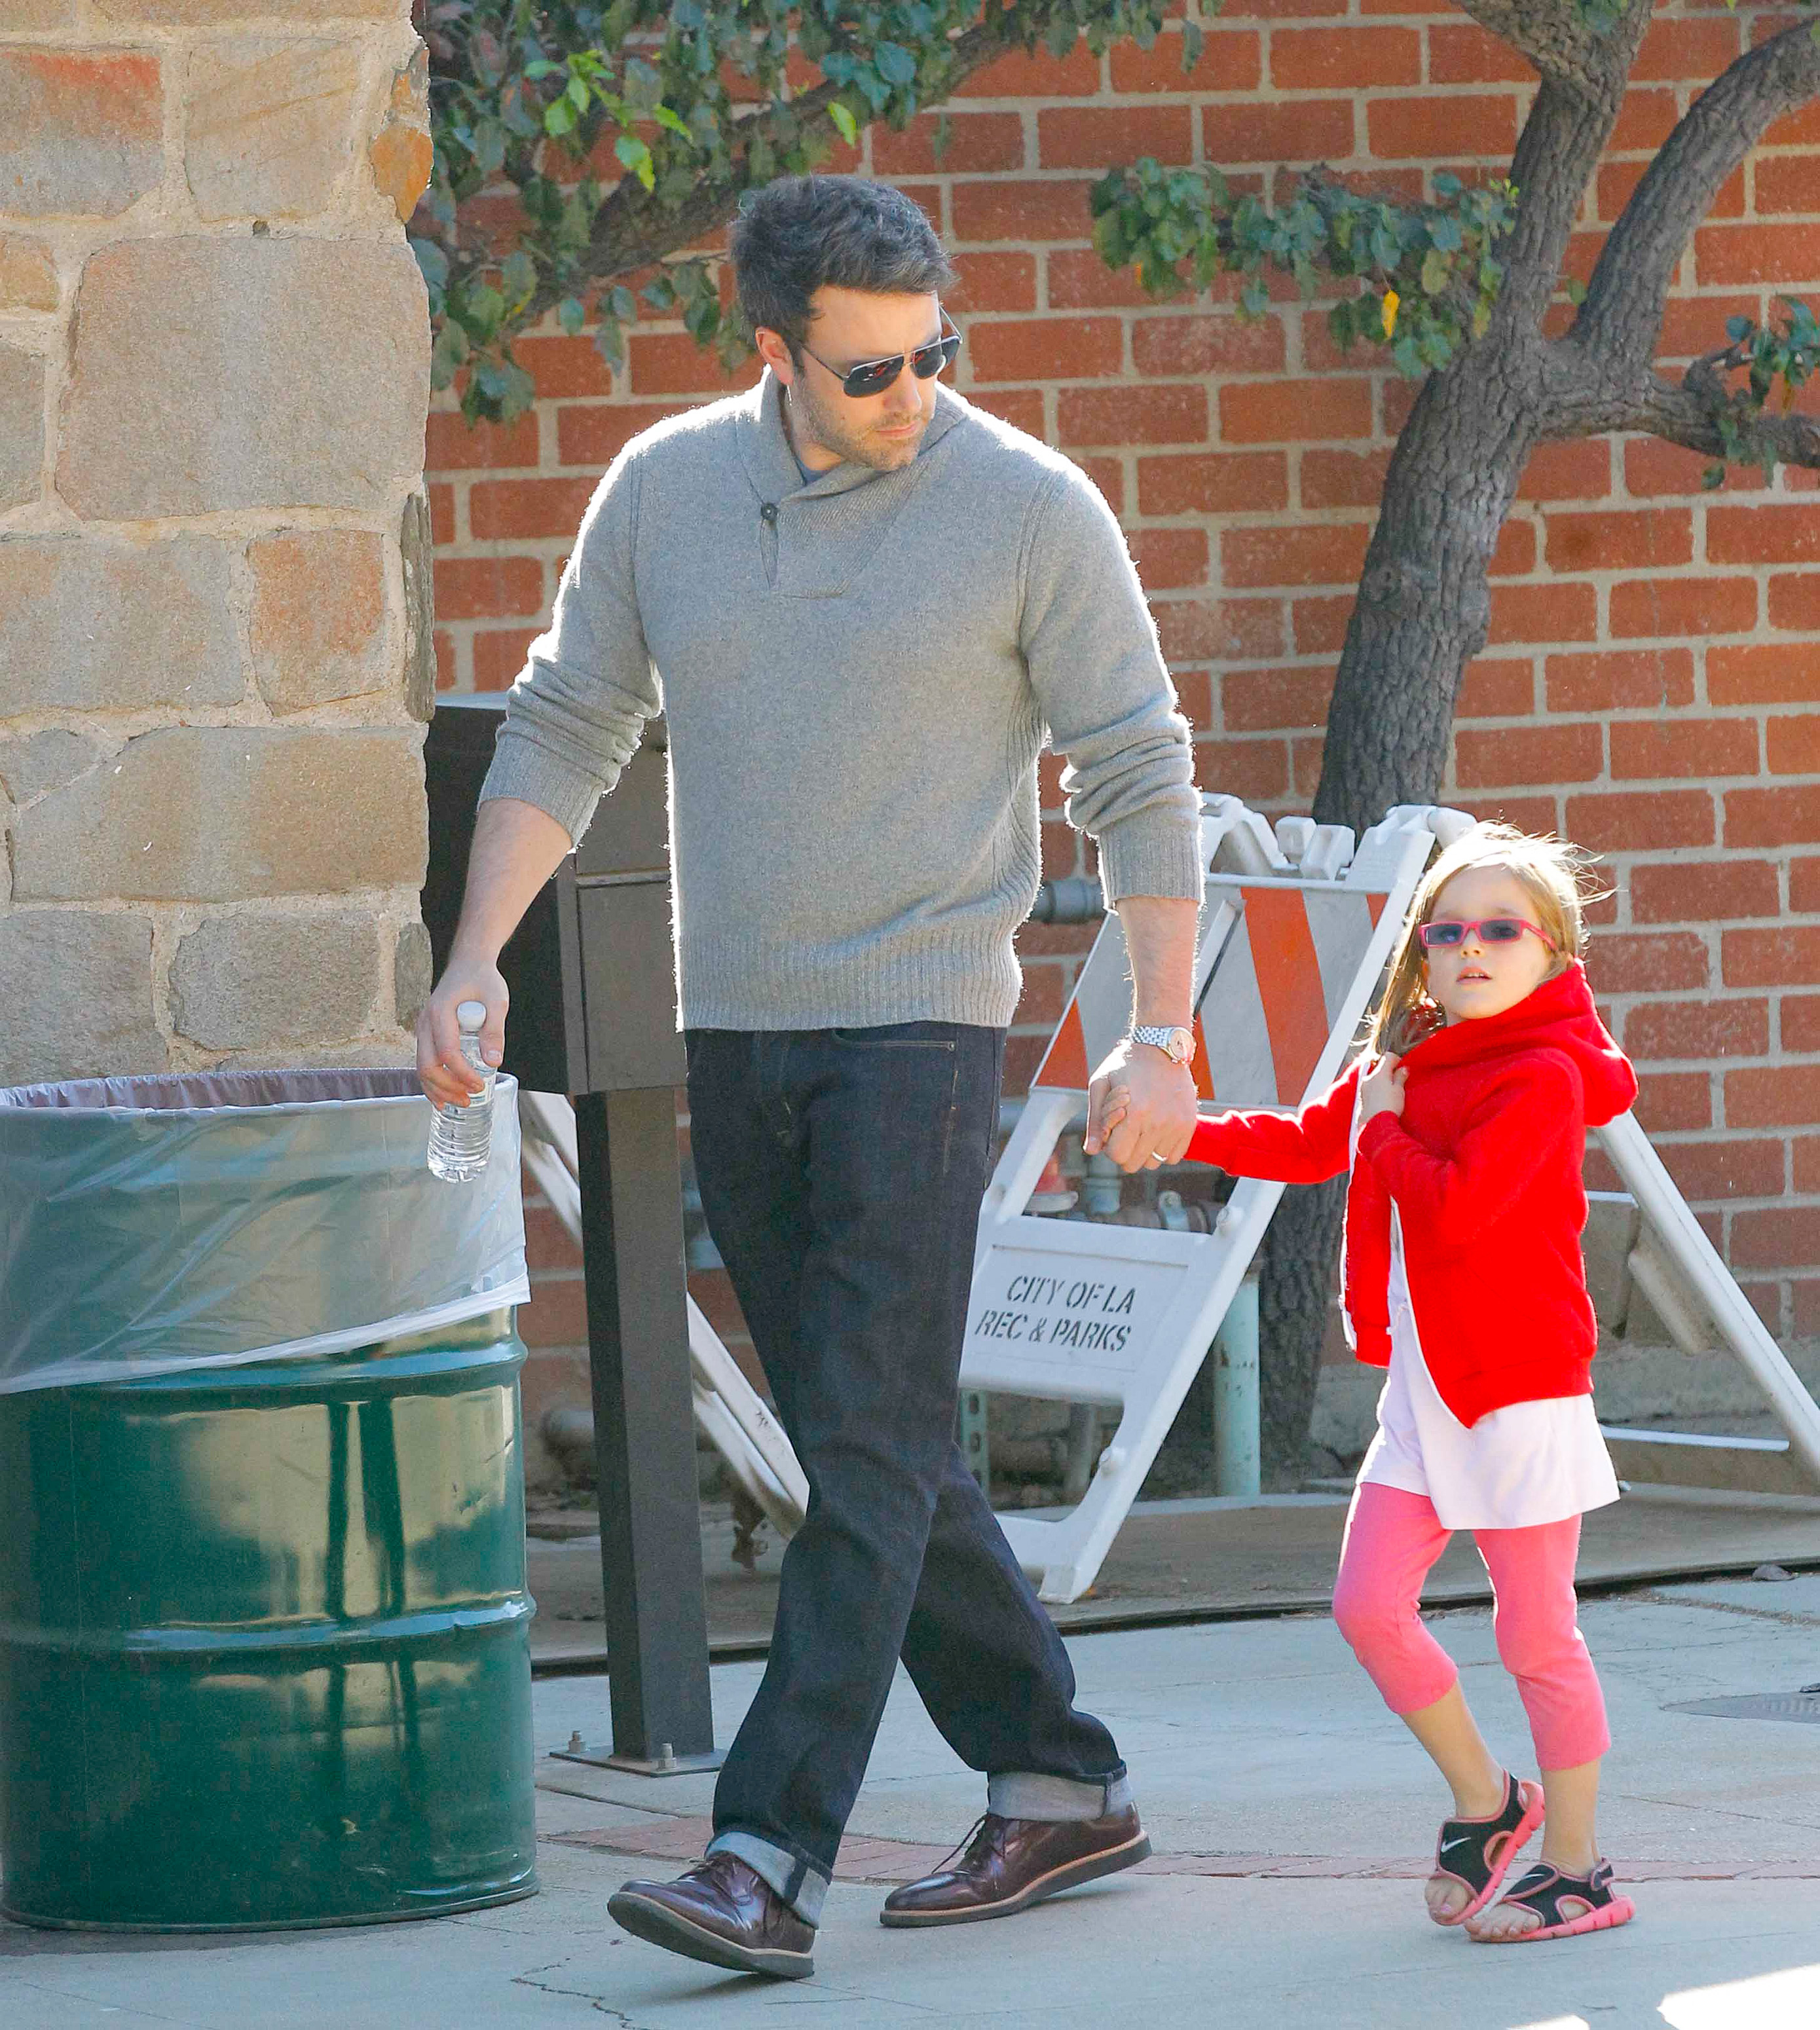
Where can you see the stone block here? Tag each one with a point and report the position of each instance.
(271, 126)
(413, 974)
(28, 274)
(402, 154)
(89, 624)
(81, 132)
(76, 987)
(21, 426)
(416, 546)
(257, 982)
(318, 615)
(40, 762)
(220, 814)
(230, 373)
(207, 13)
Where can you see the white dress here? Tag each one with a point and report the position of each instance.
(1527, 1463)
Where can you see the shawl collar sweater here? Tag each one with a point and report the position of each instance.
(858, 671)
(1485, 1166)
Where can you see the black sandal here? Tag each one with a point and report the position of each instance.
(1544, 1889)
(1476, 1852)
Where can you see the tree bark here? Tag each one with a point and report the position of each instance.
(1423, 613)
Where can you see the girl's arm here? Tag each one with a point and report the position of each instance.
(1520, 1123)
(1300, 1148)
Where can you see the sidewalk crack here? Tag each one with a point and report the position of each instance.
(529, 1979)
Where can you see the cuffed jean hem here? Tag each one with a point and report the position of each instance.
(804, 1889)
(1015, 1794)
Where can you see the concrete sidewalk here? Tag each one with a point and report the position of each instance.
(1291, 1817)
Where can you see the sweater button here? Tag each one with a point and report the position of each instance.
(768, 513)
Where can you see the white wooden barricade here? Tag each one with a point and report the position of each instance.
(731, 1414)
(1294, 935)
(1668, 1220)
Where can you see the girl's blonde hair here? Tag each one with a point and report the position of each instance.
(1556, 875)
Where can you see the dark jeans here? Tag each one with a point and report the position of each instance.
(841, 1173)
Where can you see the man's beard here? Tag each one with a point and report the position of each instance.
(809, 418)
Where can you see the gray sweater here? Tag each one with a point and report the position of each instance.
(858, 674)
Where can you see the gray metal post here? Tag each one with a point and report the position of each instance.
(656, 1601)
(1235, 1397)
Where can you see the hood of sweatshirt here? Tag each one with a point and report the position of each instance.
(1558, 1015)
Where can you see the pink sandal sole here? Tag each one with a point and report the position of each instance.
(1619, 1911)
(1524, 1833)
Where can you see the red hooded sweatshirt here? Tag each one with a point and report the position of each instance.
(1485, 1166)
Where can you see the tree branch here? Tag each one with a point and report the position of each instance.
(632, 228)
(1622, 313)
(1580, 395)
(1556, 38)
(1558, 154)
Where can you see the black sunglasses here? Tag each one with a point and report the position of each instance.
(873, 376)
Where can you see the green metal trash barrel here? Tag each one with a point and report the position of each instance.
(264, 1656)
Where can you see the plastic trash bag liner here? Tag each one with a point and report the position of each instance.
(148, 1226)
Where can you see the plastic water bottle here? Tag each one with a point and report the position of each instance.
(461, 1136)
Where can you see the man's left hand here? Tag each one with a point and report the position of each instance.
(1160, 1113)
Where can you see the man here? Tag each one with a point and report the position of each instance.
(866, 603)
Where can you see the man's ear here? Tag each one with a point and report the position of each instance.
(775, 353)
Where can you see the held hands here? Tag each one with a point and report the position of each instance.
(1141, 1108)
(1382, 1090)
(444, 1073)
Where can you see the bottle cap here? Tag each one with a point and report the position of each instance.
(471, 1015)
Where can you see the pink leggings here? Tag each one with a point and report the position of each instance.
(1393, 1539)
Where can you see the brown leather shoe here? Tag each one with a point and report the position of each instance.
(1010, 1863)
(720, 1912)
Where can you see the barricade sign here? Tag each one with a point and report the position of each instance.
(1294, 933)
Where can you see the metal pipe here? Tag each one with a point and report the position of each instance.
(1235, 1396)
(1073, 898)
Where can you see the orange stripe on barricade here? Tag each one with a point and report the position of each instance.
(1065, 1062)
(1202, 1068)
(1288, 981)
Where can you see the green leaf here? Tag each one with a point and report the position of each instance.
(620, 303)
(559, 119)
(432, 261)
(570, 314)
(845, 124)
(609, 342)
(1576, 290)
(1436, 267)
(1254, 298)
(895, 64)
(1193, 45)
(666, 116)
(490, 147)
(637, 158)
(519, 275)
(1738, 328)
(1713, 476)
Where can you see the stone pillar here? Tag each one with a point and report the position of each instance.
(214, 651)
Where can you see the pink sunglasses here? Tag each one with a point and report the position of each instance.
(1493, 931)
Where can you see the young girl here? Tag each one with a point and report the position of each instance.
(1463, 1125)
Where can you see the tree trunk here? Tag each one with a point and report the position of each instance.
(1423, 613)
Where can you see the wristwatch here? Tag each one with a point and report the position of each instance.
(1176, 1045)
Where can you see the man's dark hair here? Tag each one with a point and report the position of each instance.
(800, 234)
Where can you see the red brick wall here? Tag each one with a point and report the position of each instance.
(1652, 684)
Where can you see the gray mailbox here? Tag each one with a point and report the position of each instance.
(613, 907)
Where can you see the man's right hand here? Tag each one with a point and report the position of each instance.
(447, 1076)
